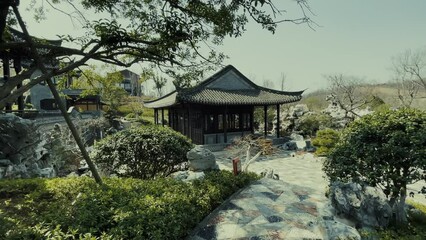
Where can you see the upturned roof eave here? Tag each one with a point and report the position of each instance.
(186, 95)
(167, 100)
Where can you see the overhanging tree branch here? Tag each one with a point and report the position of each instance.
(40, 65)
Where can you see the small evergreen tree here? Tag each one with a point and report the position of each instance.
(385, 149)
(325, 141)
(146, 152)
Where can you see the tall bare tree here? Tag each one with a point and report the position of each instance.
(283, 78)
(268, 83)
(349, 93)
(409, 70)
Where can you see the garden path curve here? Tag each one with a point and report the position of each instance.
(294, 207)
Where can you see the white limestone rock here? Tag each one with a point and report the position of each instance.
(201, 159)
(296, 137)
(47, 172)
(5, 162)
(188, 176)
(366, 206)
(336, 230)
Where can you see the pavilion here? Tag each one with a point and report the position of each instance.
(220, 108)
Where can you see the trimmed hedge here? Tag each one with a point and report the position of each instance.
(73, 208)
(145, 152)
(325, 141)
(309, 124)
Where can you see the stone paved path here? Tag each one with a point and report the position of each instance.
(294, 207)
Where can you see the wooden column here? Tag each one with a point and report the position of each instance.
(252, 120)
(203, 114)
(169, 117)
(278, 121)
(225, 125)
(162, 117)
(18, 68)
(6, 76)
(265, 118)
(189, 122)
(155, 116)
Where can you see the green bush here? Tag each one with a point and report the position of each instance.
(325, 140)
(123, 110)
(148, 112)
(131, 115)
(78, 208)
(384, 149)
(377, 103)
(309, 124)
(145, 152)
(145, 120)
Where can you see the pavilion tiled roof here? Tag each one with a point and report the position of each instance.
(225, 88)
(48, 55)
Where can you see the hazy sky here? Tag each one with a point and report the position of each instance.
(357, 38)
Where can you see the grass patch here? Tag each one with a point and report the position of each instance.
(78, 208)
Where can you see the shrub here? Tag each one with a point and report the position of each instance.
(325, 140)
(386, 149)
(144, 152)
(377, 103)
(78, 208)
(125, 109)
(130, 115)
(145, 120)
(148, 112)
(309, 124)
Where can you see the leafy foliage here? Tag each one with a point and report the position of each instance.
(168, 34)
(309, 124)
(258, 116)
(386, 149)
(78, 208)
(106, 86)
(377, 103)
(325, 141)
(144, 152)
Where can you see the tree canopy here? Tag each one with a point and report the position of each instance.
(107, 86)
(171, 35)
(386, 149)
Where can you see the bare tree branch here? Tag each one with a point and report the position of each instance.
(349, 94)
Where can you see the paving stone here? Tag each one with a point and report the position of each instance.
(293, 207)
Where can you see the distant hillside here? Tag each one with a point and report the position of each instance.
(386, 91)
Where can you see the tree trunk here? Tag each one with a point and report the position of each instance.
(41, 66)
(399, 209)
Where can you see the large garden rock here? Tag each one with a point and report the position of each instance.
(5, 162)
(291, 146)
(366, 206)
(296, 137)
(19, 138)
(187, 176)
(298, 110)
(22, 149)
(336, 230)
(201, 159)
